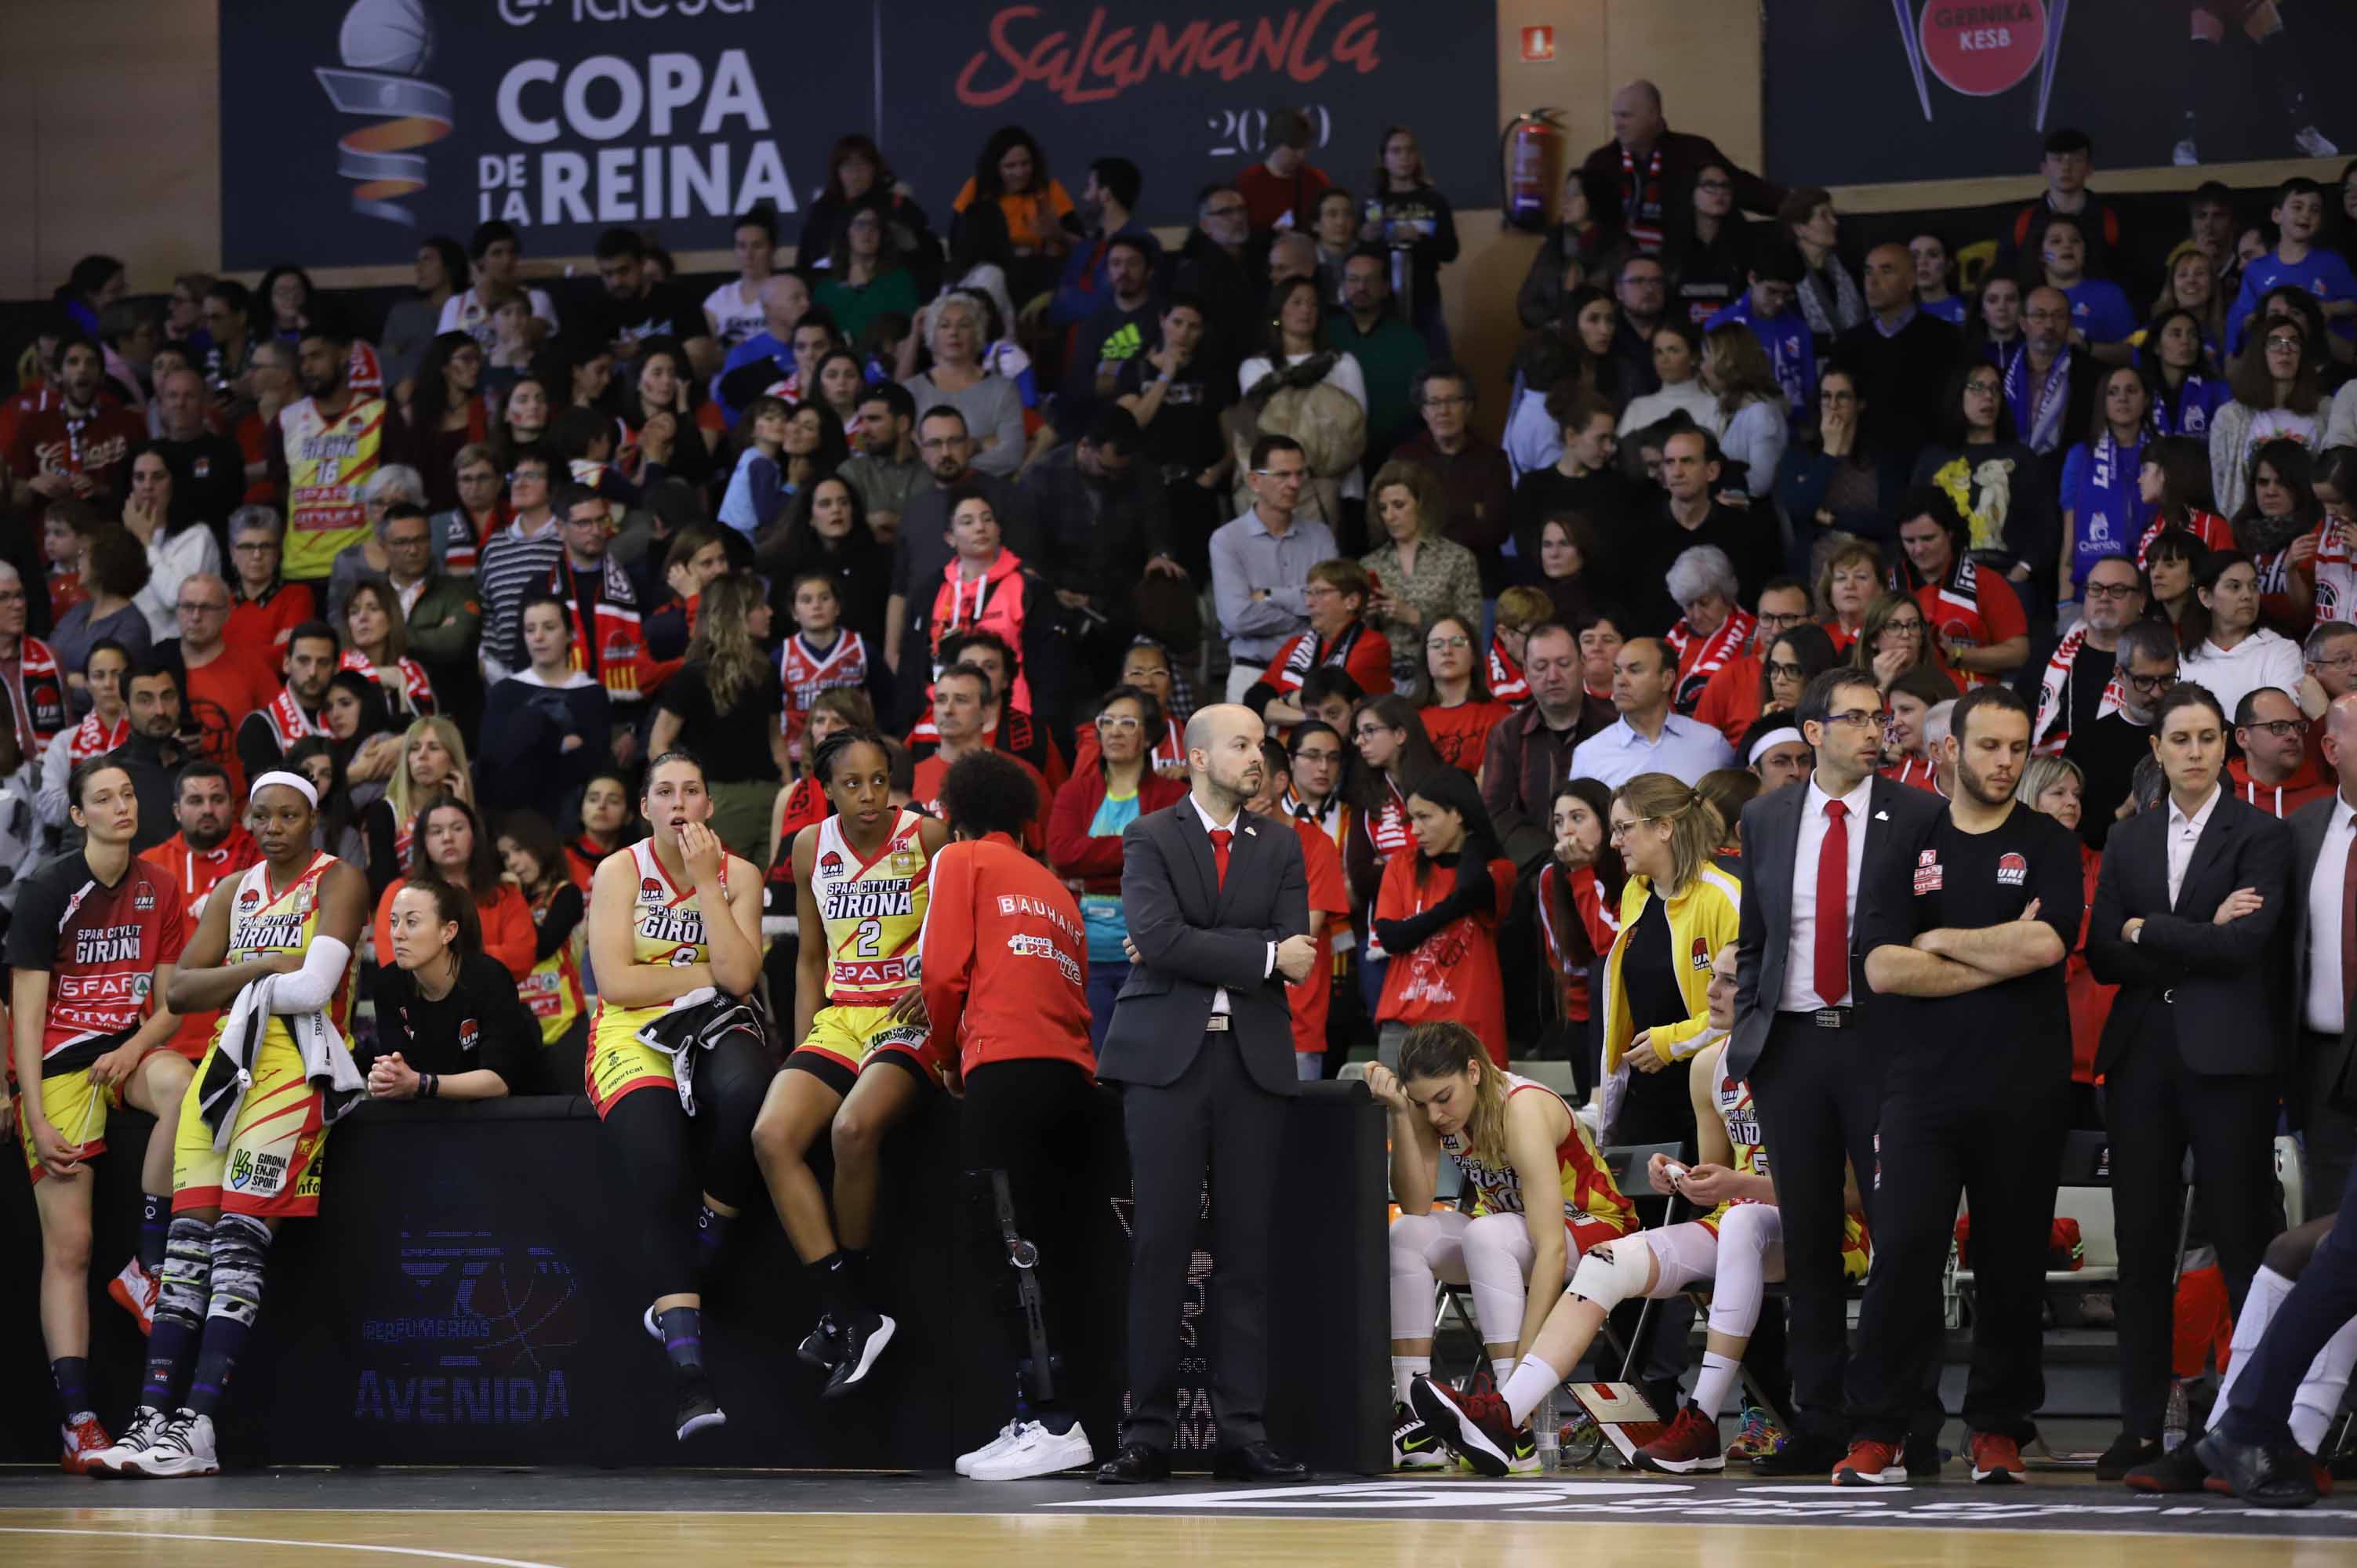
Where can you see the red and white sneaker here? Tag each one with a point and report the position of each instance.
(1870, 1464)
(1475, 1427)
(83, 1438)
(135, 1290)
(1691, 1444)
(1996, 1459)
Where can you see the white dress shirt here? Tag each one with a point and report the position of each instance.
(2184, 833)
(2324, 1009)
(1686, 749)
(1801, 953)
(1236, 825)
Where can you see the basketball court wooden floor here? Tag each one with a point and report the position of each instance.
(682, 1518)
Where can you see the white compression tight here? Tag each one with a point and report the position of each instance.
(1492, 1253)
(1738, 1264)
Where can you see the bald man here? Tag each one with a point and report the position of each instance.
(1654, 168)
(1217, 904)
(1900, 354)
(2322, 833)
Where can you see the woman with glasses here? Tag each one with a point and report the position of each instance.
(1092, 809)
(865, 278)
(459, 532)
(2103, 505)
(1709, 256)
(1451, 696)
(1894, 639)
(2000, 485)
(2279, 525)
(263, 611)
(2277, 382)
(1798, 655)
(1417, 575)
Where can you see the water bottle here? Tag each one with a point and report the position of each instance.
(1549, 1435)
(2177, 1419)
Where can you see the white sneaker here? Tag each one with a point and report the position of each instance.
(146, 1425)
(1035, 1451)
(1006, 1434)
(183, 1447)
(2314, 143)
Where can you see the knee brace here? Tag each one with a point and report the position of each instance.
(1038, 1374)
(1612, 1274)
(241, 1248)
(187, 1279)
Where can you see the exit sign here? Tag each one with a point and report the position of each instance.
(1538, 44)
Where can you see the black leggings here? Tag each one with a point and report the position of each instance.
(657, 1158)
(1036, 1120)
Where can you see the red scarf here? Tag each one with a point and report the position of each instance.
(39, 694)
(92, 737)
(1308, 651)
(288, 723)
(624, 667)
(416, 690)
(1700, 658)
(2052, 711)
(1506, 682)
(1640, 197)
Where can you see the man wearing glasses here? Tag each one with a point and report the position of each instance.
(2076, 687)
(2276, 772)
(1815, 857)
(1730, 702)
(1472, 470)
(1260, 562)
(223, 682)
(2330, 658)
(2108, 750)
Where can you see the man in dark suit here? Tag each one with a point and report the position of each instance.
(1202, 1038)
(1801, 1012)
(2185, 923)
(2322, 913)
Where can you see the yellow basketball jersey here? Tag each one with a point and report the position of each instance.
(874, 910)
(327, 462)
(265, 920)
(667, 929)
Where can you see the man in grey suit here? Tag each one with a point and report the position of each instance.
(1202, 1039)
(2323, 915)
(1801, 1012)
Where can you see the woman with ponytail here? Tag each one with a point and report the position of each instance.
(1436, 918)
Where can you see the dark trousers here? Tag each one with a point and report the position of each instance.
(1820, 1097)
(655, 1158)
(1992, 1133)
(1213, 1123)
(2327, 1132)
(2323, 1300)
(2157, 1108)
(1036, 1120)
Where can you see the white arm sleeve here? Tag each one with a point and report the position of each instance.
(307, 989)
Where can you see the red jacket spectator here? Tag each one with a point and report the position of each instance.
(1730, 701)
(1311, 997)
(1365, 653)
(264, 624)
(926, 795)
(1005, 960)
(1095, 862)
(1452, 974)
(1461, 734)
(2307, 783)
(198, 872)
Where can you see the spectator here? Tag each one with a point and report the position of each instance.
(866, 277)
(1119, 329)
(1316, 394)
(1735, 690)
(207, 468)
(2190, 390)
(770, 355)
(1773, 751)
(1571, 353)
(1652, 169)
(1281, 191)
(986, 586)
(2296, 259)
(1520, 611)
(2236, 655)
(1393, 751)
(452, 847)
(1639, 287)
(2107, 751)
(1216, 266)
(1416, 574)
(1749, 416)
(1530, 753)
(1092, 809)
(397, 774)
(1847, 584)
(1015, 733)
(1455, 705)
(1474, 474)
(1579, 911)
(1676, 368)
(1336, 236)
(376, 646)
(458, 533)
(392, 485)
(1013, 212)
(496, 253)
(884, 467)
(2280, 526)
(985, 401)
(1583, 478)
(2053, 787)
(1108, 211)
(2320, 835)
(859, 177)
(115, 569)
(1408, 211)
(81, 445)
(324, 514)
(2049, 388)
(1107, 523)
(1175, 394)
(966, 720)
(2277, 396)
(1828, 295)
(1898, 356)
(1935, 270)
(1710, 255)
(2082, 681)
(1766, 310)
(639, 306)
(1891, 641)
(264, 608)
(548, 729)
(1838, 488)
(1319, 767)
(1713, 629)
(455, 1027)
(1648, 738)
(2331, 662)
(725, 708)
(1260, 562)
(829, 531)
(368, 741)
(1971, 617)
(178, 543)
(223, 683)
(107, 726)
(2186, 937)
(1572, 249)
(801, 803)
(1689, 515)
(2173, 478)
(445, 413)
(2276, 772)
(516, 561)
(2102, 320)
(1435, 918)
(2098, 515)
(1336, 595)
(1311, 998)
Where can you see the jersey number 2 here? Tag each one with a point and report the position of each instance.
(871, 939)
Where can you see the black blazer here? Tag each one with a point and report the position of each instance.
(1195, 935)
(2216, 981)
(1897, 817)
(2307, 825)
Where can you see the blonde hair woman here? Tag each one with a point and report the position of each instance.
(433, 762)
(1751, 424)
(1419, 575)
(1676, 903)
(723, 707)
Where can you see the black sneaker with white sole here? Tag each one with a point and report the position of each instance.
(859, 1345)
(822, 1347)
(699, 1406)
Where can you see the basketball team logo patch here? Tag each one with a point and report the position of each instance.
(2012, 870)
(1928, 873)
(1700, 957)
(830, 865)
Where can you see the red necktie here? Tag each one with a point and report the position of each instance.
(1220, 839)
(1833, 906)
(2349, 930)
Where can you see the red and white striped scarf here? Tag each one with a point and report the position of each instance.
(1700, 658)
(2053, 713)
(288, 722)
(1638, 195)
(416, 690)
(94, 738)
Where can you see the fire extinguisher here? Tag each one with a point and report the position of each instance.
(1530, 169)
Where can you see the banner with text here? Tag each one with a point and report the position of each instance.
(1871, 92)
(351, 131)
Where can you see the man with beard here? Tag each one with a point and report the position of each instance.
(884, 469)
(2108, 750)
(81, 447)
(154, 755)
(322, 449)
(2079, 682)
(267, 734)
(1976, 1103)
(923, 549)
(211, 847)
(1121, 329)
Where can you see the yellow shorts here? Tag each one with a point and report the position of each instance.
(843, 1040)
(77, 1108)
(617, 1062)
(271, 1163)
